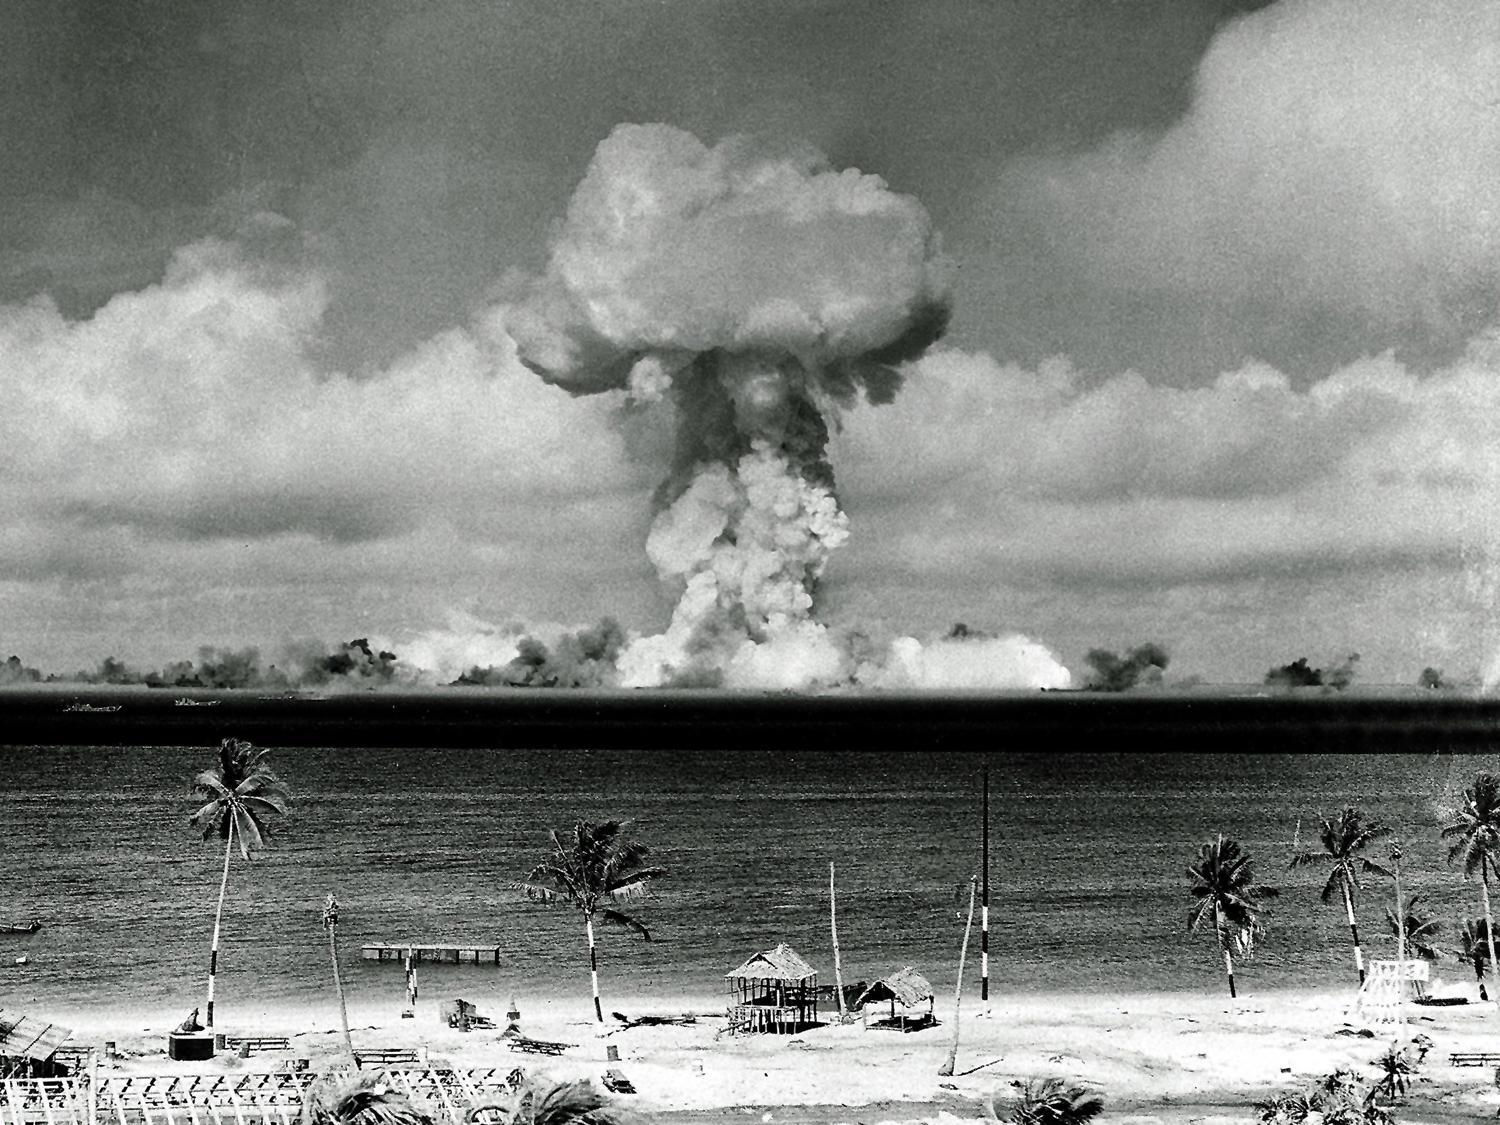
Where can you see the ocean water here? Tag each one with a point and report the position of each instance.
(1088, 851)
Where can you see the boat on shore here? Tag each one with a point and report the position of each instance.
(30, 927)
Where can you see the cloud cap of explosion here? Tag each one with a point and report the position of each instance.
(670, 249)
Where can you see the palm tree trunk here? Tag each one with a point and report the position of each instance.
(338, 984)
(1489, 926)
(946, 1069)
(833, 927)
(1359, 956)
(213, 951)
(588, 924)
(1224, 945)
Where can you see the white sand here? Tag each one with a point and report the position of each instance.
(1154, 1056)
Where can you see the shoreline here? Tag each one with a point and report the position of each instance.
(1166, 1057)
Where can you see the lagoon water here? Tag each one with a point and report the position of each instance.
(1087, 868)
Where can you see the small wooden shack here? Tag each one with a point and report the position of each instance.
(910, 990)
(27, 1045)
(774, 991)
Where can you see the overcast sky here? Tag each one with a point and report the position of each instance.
(1223, 371)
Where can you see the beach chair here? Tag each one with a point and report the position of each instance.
(616, 1082)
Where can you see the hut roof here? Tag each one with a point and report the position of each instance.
(30, 1038)
(907, 987)
(781, 963)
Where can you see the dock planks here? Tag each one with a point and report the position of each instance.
(459, 954)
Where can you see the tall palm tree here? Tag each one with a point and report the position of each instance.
(1419, 927)
(241, 795)
(1227, 893)
(596, 865)
(1475, 836)
(1474, 947)
(1343, 837)
(331, 924)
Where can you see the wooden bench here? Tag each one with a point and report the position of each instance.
(536, 1046)
(385, 1056)
(1474, 1058)
(74, 1058)
(250, 1044)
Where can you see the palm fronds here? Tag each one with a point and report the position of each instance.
(1051, 1101)
(1343, 837)
(593, 865)
(241, 795)
(366, 1099)
(1223, 883)
(1475, 829)
(1420, 928)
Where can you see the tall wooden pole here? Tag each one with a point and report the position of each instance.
(946, 1069)
(833, 927)
(984, 909)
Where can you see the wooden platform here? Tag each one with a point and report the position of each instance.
(445, 1095)
(464, 954)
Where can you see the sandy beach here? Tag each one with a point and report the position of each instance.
(1155, 1057)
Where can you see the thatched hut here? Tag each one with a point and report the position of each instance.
(27, 1045)
(773, 991)
(910, 990)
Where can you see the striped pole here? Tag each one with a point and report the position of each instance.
(594, 970)
(984, 909)
(1359, 956)
(213, 950)
(411, 980)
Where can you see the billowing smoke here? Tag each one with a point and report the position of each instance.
(761, 291)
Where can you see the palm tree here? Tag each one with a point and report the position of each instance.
(1419, 927)
(1343, 837)
(241, 795)
(1227, 893)
(1474, 947)
(1475, 833)
(331, 924)
(1053, 1102)
(596, 865)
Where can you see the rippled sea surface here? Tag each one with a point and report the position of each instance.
(1088, 852)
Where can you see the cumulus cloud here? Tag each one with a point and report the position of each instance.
(1045, 479)
(193, 411)
(1338, 155)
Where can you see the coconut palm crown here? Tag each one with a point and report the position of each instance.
(1420, 927)
(1227, 894)
(594, 866)
(241, 795)
(1475, 842)
(1343, 837)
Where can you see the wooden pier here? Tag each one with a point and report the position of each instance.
(444, 954)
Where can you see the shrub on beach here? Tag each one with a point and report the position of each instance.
(1341, 1098)
(367, 1100)
(1051, 1101)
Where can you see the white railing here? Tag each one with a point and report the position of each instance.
(246, 1099)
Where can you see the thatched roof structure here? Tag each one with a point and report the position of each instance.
(781, 963)
(30, 1038)
(907, 987)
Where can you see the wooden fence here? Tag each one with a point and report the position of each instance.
(248, 1099)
